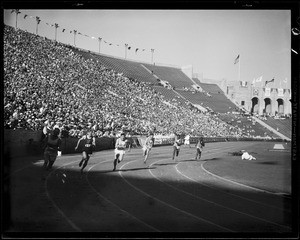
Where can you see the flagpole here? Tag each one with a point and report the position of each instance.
(126, 45)
(280, 84)
(239, 68)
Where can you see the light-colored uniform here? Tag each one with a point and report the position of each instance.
(247, 156)
(120, 148)
(148, 144)
(187, 140)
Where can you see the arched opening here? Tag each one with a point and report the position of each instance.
(255, 105)
(280, 104)
(268, 106)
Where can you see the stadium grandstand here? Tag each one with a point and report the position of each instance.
(130, 69)
(47, 82)
(174, 76)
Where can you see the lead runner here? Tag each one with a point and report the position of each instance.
(148, 146)
(120, 147)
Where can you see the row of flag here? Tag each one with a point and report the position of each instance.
(256, 80)
(259, 79)
(79, 33)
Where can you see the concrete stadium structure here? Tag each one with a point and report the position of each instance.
(256, 98)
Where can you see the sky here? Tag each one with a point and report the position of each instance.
(209, 40)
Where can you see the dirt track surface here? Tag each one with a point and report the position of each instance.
(218, 194)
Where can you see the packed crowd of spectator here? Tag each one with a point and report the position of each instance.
(46, 83)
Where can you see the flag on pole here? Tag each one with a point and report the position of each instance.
(272, 80)
(259, 79)
(237, 59)
(244, 83)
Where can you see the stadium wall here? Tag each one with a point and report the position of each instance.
(267, 98)
(19, 143)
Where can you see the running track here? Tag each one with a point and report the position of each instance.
(161, 196)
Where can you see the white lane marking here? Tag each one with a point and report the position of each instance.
(237, 183)
(247, 199)
(171, 206)
(63, 157)
(220, 205)
(73, 225)
(180, 190)
(100, 195)
(250, 200)
(18, 170)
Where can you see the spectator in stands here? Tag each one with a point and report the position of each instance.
(80, 90)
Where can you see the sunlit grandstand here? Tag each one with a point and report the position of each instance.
(105, 145)
(49, 81)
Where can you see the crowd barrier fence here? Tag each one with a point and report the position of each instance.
(19, 142)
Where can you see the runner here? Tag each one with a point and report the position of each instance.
(87, 150)
(187, 140)
(119, 149)
(52, 146)
(247, 156)
(176, 146)
(199, 147)
(148, 146)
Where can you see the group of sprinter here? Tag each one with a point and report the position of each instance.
(53, 148)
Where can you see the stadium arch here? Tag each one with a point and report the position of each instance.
(268, 106)
(255, 105)
(280, 106)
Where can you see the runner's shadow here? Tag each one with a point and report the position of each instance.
(189, 160)
(209, 159)
(134, 169)
(268, 163)
(165, 164)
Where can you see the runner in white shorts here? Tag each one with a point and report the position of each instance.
(119, 149)
(187, 140)
(148, 146)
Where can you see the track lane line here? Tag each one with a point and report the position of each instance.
(171, 206)
(264, 191)
(122, 210)
(247, 199)
(228, 208)
(237, 183)
(73, 225)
